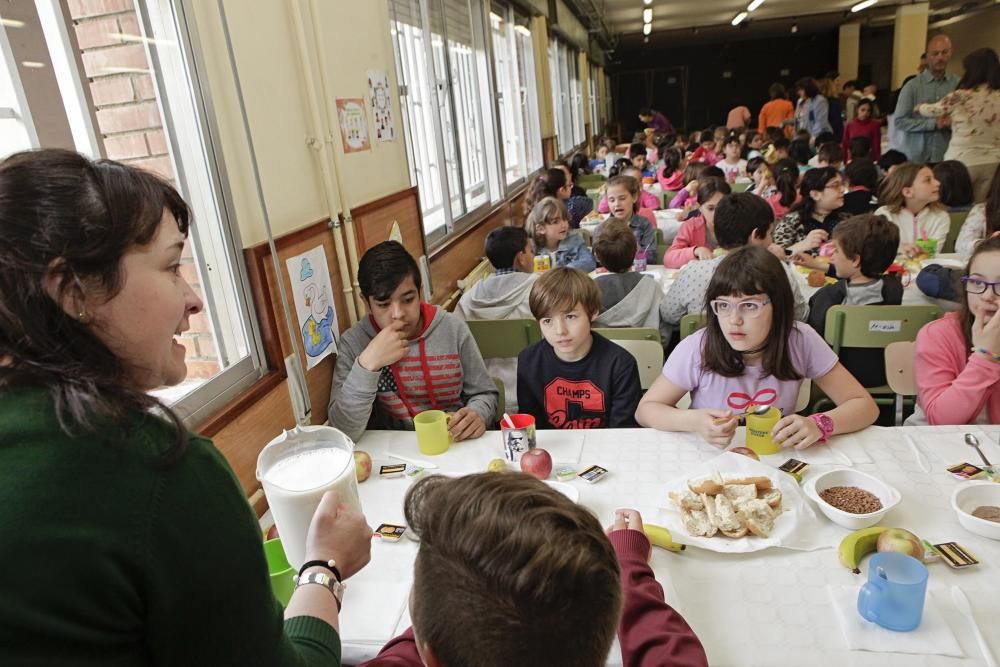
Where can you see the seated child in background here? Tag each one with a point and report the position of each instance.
(955, 386)
(548, 227)
(810, 222)
(862, 182)
(740, 219)
(503, 295)
(956, 185)
(628, 298)
(752, 146)
(695, 239)
(647, 200)
(777, 150)
(753, 351)
(731, 164)
(623, 203)
(759, 172)
(983, 219)
(799, 151)
(574, 378)
(830, 154)
(637, 154)
(706, 149)
(909, 198)
(687, 198)
(863, 248)
(860, 148)
(786, 187)
(821, 139)
(671, 176)
(870, 93)
(890, 160)
(559, 591)
(556, 182)
(611, 153)
(864, 125)
(378, 376)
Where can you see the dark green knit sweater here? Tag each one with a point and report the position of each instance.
(107, 560)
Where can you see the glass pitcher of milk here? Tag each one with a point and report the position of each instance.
(296, 469)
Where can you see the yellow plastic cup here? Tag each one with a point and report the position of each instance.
(759, 432)
(432, 432)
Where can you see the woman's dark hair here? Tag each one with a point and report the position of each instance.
(579, 165)
(65, 217)
(799, 151)
(965, 316)
(616, 168)
(956, 184)
(547, 184)
(749, 271)
(993, 204)
(672, 158)
(710, 186)
(812, 181)
(807, 85)
(981, 66)
(786, 180)
(776, 91)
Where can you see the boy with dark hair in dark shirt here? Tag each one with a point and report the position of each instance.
(574, 378)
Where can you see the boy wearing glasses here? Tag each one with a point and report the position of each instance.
(740, 219)
(863, 248)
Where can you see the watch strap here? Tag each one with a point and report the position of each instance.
(325, 580)
(825, 424)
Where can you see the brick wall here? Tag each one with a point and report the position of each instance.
(130, 125)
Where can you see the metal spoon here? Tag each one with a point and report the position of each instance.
(972, 441)
(756, 410)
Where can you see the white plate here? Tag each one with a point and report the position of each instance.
(567, 490)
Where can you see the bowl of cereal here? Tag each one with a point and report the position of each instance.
(851, 498)
(977, 505)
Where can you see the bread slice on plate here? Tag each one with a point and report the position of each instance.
(737, 493)
(721, 512)
(762, 483)
(758, 516)
(687, 500)
(773, 497)
(711, 485)
(697, 524)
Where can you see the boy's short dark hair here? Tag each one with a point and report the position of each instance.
(862, 172)
(503, 244)
(830, 153)
(781, 142)
(739, 214)
(799, 151)
(615, 246)
(510, 572)
(891, 158)
(560, 290)
(706, 136)
(825, 137)
(860, 147)
(383, 268)
(636, 149)
(873, 238)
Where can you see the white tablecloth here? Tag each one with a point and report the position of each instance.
(764, 608)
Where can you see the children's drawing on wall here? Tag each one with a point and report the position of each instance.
(353, 125)
(313, 296)
(378, 92)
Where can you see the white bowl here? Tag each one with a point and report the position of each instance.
(970, 495)
(848, 477)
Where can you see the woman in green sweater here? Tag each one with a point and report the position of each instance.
(126, 539)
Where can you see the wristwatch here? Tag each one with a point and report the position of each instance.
(825, 425)
(326, 580)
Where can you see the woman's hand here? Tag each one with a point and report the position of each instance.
(339, 531)
(716, 426)
(796, 431)
(986, 334)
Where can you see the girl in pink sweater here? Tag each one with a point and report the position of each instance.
(696, 237)
(957, 358)
(671, 176)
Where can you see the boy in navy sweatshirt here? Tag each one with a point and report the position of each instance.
(574, 378)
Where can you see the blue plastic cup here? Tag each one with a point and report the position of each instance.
(893, 596)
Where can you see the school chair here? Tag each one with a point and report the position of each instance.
(873, 327)
(501, 399)
(739, 186)
(504, 339)
(587, 181)
(957, 219)
(899, 374)
(643, 344)
(661, 251)
(691, 323)
(668, 195)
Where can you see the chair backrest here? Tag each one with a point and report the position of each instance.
(899, 368)
(628, 333)
(740, 186)
(658, 235)
(691, 323)
(504, 339)
(501, 399)
(587, 181)
(661, 250)
(668, 195)
(875, 326)
(957, 219)
(643, 344)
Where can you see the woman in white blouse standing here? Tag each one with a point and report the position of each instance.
(974, 109)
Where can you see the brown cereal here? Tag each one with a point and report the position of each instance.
(851, 499)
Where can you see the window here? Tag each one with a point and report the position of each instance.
(566, 96)
(442, 68)
(596, 121)
(517, 103)
(127, 89)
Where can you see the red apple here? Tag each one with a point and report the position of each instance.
(272, 532)
(903, 541)
(537, 463)
(745, 451)
(362, 464)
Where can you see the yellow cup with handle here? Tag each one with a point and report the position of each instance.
(432, 432)
(759, 431)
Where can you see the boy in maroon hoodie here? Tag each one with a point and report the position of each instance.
(511, 572)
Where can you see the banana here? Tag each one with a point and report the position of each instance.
(661, 537)
(857, 545)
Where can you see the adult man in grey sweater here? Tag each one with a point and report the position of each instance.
(406, 357)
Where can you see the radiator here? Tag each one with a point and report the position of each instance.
(482, 270)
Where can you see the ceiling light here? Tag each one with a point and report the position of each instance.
(12, 23)
(648, 2)
(647, 15)
(865, 4)
(754, 5)
(647, 28)
(795, 28)
(32, 64)
(739, 18)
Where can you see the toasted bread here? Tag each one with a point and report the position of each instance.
(772, 496)
(711, 485)
(758, 516)
(725, 517)
(687, 500)
(738, 493)
(762, 483)
(697, 524)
